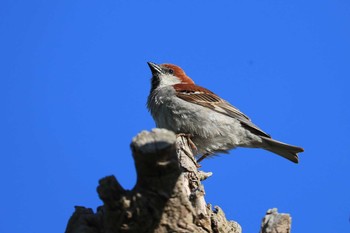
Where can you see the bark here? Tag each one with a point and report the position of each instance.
(274, 222)
(168, 195)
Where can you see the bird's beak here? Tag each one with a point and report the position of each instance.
(156, 69)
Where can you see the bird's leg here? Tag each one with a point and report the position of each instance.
(191, 145)
(188, 137)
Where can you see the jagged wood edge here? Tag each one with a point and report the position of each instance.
(168, 196)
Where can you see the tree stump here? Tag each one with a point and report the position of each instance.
(168, 195)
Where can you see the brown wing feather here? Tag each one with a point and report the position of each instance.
(201, 96)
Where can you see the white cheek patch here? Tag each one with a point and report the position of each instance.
(167, 80)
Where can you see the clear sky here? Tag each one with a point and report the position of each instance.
(74, 83)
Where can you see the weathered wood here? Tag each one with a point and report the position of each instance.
(275, 222)
(168, 195)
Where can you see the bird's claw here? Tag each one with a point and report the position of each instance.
(191, 145)
(188, 137)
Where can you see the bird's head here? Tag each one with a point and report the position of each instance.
(167, 74)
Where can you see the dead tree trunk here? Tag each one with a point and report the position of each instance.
(168, 195)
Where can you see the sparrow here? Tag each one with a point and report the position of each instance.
(176, 103)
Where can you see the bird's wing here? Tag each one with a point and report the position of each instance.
(201, 96)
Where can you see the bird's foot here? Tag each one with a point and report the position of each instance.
(192, 146)
(188, 137)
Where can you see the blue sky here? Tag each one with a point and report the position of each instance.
(74, 83)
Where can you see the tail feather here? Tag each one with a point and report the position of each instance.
(287, 151)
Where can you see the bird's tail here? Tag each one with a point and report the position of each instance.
(287, 151)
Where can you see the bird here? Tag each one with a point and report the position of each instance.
(215, 126)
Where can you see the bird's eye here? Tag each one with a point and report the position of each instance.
(171, 71)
